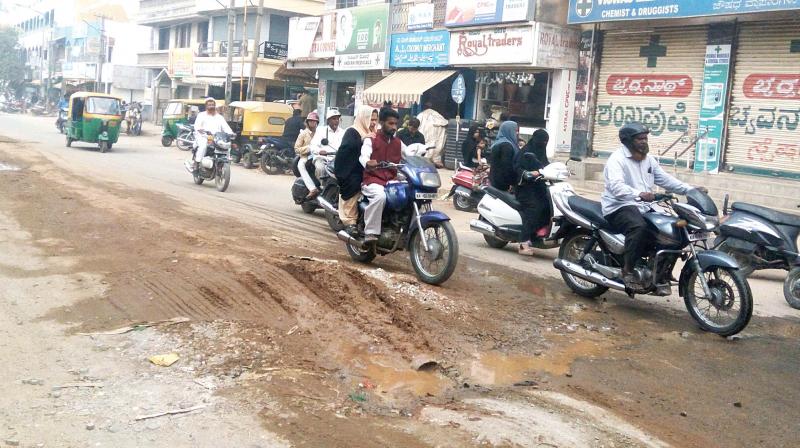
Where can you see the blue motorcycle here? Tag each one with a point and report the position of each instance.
(410, 223)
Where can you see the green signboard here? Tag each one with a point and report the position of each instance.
(361, 35)
(712, 108)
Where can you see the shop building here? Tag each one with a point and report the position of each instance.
(718, 83)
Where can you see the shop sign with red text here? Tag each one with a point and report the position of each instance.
(772, 86)
(677, 86)
(509, 45)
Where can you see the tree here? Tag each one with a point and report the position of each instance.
(12, 68)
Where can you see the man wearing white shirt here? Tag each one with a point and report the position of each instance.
(211, 122)
(326, 141)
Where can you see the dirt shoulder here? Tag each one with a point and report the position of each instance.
(292, 344)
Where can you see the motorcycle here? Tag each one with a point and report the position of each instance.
(185, 140)
(499, 218)
(276, 155)
(216, 166)
(61, 121)
(133, 116)
(466, 193)
(761, 238)
(410, 223)
(328, 199)
(716, 294)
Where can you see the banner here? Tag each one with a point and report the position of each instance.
(482, 12)
(712, 108)
(492, 46)
(420, 49)
(180, 62)
(311, 38)
(588, 11)
(420, 17)
(361, 34)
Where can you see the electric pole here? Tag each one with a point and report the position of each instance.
(254, 57)
(228, 72)
(102, 55)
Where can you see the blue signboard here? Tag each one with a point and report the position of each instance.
(458, 90)
(588, 11)
(428, 49)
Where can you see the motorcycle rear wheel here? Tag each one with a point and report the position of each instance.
(730, 286)
(360, 255)
(198, 179)
(462, 204)
(441, 236)
(571, 250)
(166, 141)
(308, 207)
(742, 259)
(265, 165)
(223, 178)
(791, 288)
(183, 145)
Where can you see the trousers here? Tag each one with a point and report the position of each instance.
(629, 221)
(307, 179)
(202, 144)
(374, 211)
(348, 210)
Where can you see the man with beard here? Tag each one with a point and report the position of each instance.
(630, 176)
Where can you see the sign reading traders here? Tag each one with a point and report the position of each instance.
(492, 46)
(361, 34)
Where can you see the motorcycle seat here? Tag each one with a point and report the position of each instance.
(463, 167)
(589, 209)
(768, 214)
(504, 196)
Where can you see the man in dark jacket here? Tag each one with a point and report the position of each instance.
(411, 134)
(292, 127)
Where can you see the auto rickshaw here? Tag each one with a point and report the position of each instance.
(177, 112)
(254, 121)
(94, 118)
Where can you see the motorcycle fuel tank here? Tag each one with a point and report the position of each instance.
(665, 232)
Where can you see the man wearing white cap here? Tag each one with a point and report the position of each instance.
(326, 141)
(211, 122)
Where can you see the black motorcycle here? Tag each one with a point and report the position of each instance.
(216, 165)
(761, 238)
(328, 199)
(715, 292)
(276, 155)
(185, 140)
(61, 121)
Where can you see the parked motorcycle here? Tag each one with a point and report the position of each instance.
(499, 218)
(715, 292)
(276, 155)
(61, 121)
(185, 140)
(466, 193)
(216, 165)
(761, 238)
(409, 222)
(328, 199)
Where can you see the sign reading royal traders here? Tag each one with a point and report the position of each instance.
(361, 34)
(510, 45)
(420, 49)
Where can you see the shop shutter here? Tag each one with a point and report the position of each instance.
(372, 77)
(763, 126)
(655, 77)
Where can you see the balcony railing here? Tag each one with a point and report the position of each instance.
(239, 48)
(400, 15)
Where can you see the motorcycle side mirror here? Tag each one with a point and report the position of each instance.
(325, 142)
(725, 204)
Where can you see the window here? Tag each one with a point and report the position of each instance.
(163, 38)
(202, 32)
(183, 34)
(346, 3)
(103, 106)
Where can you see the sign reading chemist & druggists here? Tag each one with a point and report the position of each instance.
(589, 11)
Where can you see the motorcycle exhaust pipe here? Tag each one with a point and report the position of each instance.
(327, 206)
(481, 227)
(594, 277)
(344, 236)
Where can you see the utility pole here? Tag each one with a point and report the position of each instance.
(102, 58)
(254, 57)
(228, 72)
(242, 47)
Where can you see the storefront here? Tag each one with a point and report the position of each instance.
(525, 72)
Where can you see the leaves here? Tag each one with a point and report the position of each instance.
(12, 68)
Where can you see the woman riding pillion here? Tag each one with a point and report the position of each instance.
(530, 192)
(347, 169)
(302, 147)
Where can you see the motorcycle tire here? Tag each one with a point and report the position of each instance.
(183, 146)
(791, 288)
(308, 207)
(104, 147)
(416, 250)
(360, 255)
(223, 178)
(568, 253)
(198, 179)
(334, 222)
(463, 204)
(266, 167)
(739, 282)
(166, 141)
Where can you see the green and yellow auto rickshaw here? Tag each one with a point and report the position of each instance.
(253, 122)
(177, 112)
(94, 118)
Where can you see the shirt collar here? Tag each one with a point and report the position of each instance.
(626, 152)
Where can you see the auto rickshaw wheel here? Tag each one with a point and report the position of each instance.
(247, 158)
(166, 141)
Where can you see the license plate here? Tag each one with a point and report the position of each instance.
(699, 236)
(430, 196)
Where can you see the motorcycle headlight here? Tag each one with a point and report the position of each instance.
(430, 180)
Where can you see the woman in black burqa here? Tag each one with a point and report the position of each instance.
(532, 194)
(504, 150)
(469, 148)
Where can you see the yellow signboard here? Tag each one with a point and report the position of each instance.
(180, 62)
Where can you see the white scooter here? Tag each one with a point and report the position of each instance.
(499, 219)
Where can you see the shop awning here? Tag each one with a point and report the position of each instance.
(405, 87)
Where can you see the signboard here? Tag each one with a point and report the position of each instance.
(712, 108)
(128, 77)
(420, 17)
(180, 62)
(588, 11)
(556, 47)
(482, 12)
(275, 50)
(311, 38)
(492, 46)
(79, 70)
(649, 85)
(419, 49)
(459, 89)
(772, 86)
(361, 34)
(218, 69)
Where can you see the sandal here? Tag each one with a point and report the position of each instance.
(526, 250)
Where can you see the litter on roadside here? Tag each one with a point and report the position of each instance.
(165, 360)
(139, 326)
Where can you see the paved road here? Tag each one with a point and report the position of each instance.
(142, 163)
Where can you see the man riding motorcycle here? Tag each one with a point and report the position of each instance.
(208, 122)
(630, 175)
(326, 141)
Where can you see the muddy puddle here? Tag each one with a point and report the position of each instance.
(8, 167)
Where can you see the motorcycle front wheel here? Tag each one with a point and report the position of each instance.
(435, 265)
(791, 288)
(729, 308)
(181, 142)
(223, 177)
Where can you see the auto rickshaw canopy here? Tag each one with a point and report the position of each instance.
(258, 118)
